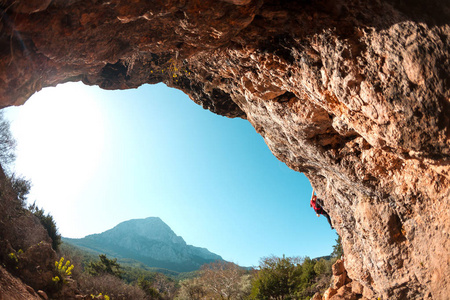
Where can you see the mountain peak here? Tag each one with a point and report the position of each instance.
(151, 228)
(150, 241)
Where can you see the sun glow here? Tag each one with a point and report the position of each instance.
(60, 133)
(97, 158)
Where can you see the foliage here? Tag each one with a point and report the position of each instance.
(224, 280)
(148, 289)
(77, 257)
(100, 296)
(160, 287)
(277, 278)
(154, 285)
(21, 187)
(134, 274)
(104, 266)
(290, 278)
(218, 280)
(165, 286)
(7, 142)
(175, 69)
(49, 224)
(64, 271)
(306, 279)
(191, 289)
(323, 267)
(110, 285)
(337, 249)
(13, 257)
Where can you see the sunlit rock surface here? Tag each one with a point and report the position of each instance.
(355, 94)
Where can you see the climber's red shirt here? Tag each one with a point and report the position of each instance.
(317, 208)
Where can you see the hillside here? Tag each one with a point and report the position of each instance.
(150, 241)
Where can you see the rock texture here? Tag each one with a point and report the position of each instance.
(355, 94)
(342, 287)
(14, 289)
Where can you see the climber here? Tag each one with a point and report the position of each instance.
(317, 205)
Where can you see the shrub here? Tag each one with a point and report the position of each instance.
(104, 266)
(225, 280)
(7, 142)
(64, 271)
(323, 266)
(277, 278)
(337, 248)
(109, 285)
(149, 289)
(49, 224)
(100, 296)
(21, 187)
(191, 289)
(75, 256)
(13, 261)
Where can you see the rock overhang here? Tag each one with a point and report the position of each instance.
(355, 94)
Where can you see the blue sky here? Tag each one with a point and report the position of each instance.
(97, 158)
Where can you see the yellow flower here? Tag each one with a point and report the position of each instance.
(60, 263)
(69, 270)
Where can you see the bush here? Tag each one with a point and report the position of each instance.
(109, 285)
(7, 142)
(337, 249)
(147, 287)
(191, 289)
(323, 267)
(63, 270)
(278, 278)
(75, 256)
(21, 187)
(104, 266)
(49, 224)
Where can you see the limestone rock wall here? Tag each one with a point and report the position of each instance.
(355, 94)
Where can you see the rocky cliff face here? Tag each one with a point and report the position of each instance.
(355, 94)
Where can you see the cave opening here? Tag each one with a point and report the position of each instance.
(97, 158)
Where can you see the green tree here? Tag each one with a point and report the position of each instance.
(49, 224)
(277, 278)
(191, 289)
(323, 267)
(149, 289)
(104, 266)
(7, 142)
(21, 186)
(305, 280)
(337, 248)
(224, 280)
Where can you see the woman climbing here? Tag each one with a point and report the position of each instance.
(317, 205)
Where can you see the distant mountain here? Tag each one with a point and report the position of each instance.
(150, 241)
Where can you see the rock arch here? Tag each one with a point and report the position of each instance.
(355, 94)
